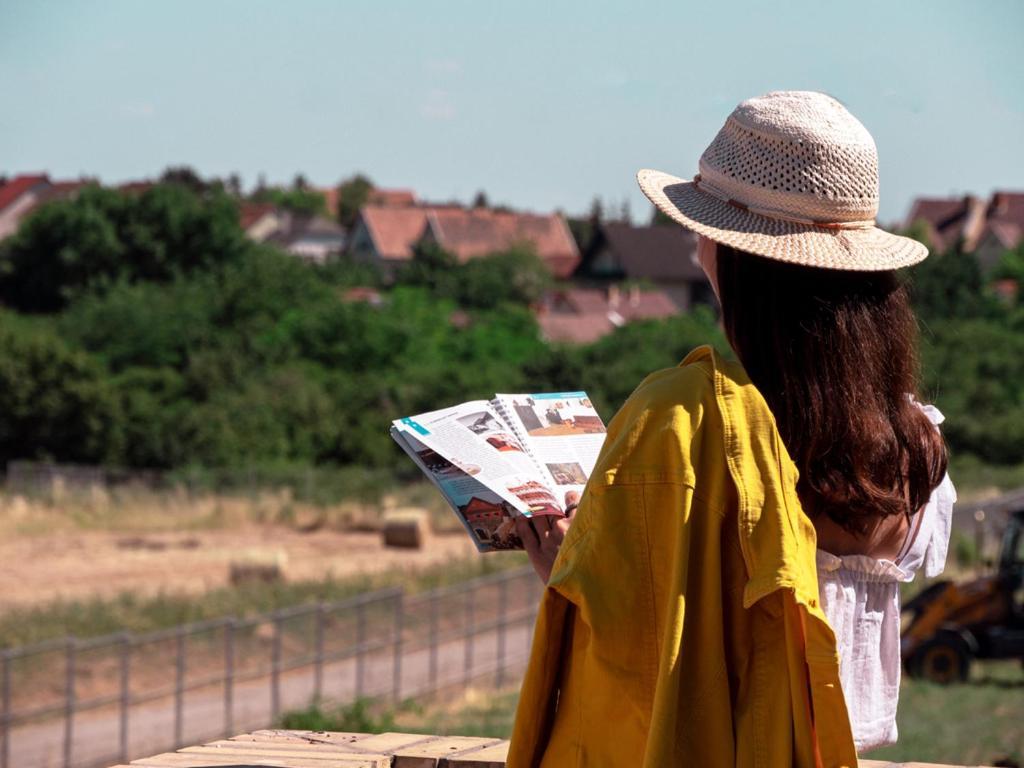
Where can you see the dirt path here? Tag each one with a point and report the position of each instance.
(81, 565)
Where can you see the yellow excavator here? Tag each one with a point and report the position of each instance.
(949, 624)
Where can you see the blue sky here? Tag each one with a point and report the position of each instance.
(542, 104)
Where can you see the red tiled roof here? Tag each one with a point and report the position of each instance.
(58, 190)
(1007, 208)
(363, 293)
(330, 199)
(582, 315)
(968, 218)
(469, 233)
(394, 197)
(394, 230)
(250, 213)
(630, 303)
(575, 329)
(1008, 233)
(645, 305)
(18, 186)
(950, 220)
(135, 187)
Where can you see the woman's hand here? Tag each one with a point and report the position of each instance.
(542, 535)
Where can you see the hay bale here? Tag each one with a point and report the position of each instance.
(406, 528)
(257, 569)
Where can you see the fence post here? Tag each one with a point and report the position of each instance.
(433, 642)
(360, 643)
(126, 692)
(470, 635)
(502, 621)
(396, 665)
(69, 701)
(318, 653)
(179, 689)
(275, 670)
(5, 724)
(229, 678)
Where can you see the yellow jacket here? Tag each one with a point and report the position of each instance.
(680, 625)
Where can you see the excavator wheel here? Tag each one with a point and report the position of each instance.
(944, 659)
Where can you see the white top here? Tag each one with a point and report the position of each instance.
(861, 598)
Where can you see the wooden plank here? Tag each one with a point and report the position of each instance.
(431, 753)
(493, 756)
(319, 752)
(310, 737)
(390, 741)
(291, 746)
(187, 760)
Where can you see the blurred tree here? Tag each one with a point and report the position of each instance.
(974, 369)
(480, 200)
(658, 217)
(516, 276)
(55, 401)
(625, 216)
(582, 231)
(102, 236)
(300, 200)
(143, 324)
(353, 194)
(186, 176)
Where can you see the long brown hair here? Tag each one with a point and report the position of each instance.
(834, 353)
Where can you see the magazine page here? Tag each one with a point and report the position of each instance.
(562, 431)
(474, 438)
(487, 517)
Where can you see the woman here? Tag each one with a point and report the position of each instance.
(727, 592)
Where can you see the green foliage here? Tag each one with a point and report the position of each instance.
(102, 236)
(55, 401)
(352, 195)
(172, 342)
(1011, 265)
(297, 199)
(975, 369)
(950, 285)
(515, 276)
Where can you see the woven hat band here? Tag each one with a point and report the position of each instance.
(710, 189)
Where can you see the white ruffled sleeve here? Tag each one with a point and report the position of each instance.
(940, 509)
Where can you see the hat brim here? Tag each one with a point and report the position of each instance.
(870, 249)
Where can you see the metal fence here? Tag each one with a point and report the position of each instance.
(80, 703)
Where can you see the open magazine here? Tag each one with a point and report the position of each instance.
(513, 455)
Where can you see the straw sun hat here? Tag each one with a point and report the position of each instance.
(791, 176)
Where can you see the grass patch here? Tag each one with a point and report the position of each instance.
(475, 712)
(128, 612)
(980, 722)
(977, 723)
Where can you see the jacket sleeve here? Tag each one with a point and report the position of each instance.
(538, 696)
(821, 726)
(552, 641)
